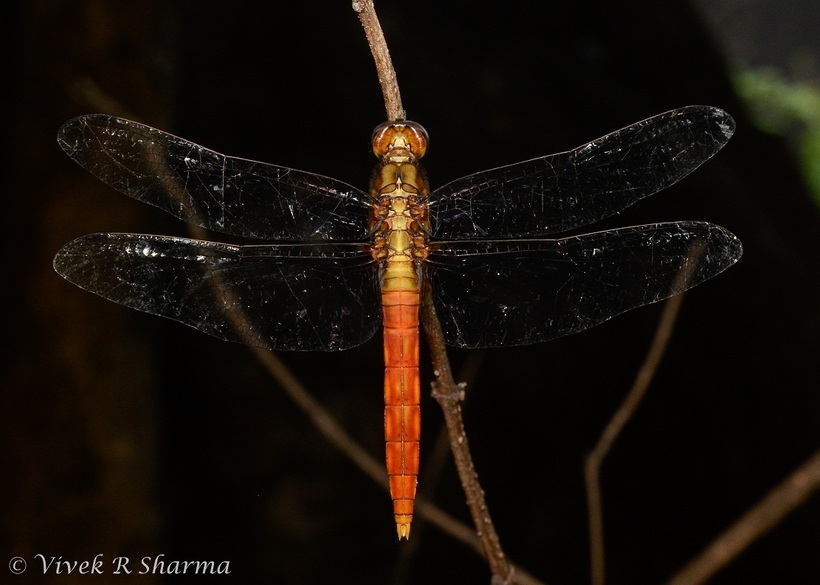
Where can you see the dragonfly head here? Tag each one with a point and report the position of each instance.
(399, 142)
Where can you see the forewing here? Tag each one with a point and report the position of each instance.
(507, 293)
(230, 195)
(563, 191)
(317, 298)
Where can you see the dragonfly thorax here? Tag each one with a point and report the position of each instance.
(399, 220)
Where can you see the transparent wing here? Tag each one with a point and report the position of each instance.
(563, 191)
(229, 195)
(519, 292)
(318, 298)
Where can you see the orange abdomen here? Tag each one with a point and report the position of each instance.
(402, 420)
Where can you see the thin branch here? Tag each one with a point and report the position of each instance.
(592, 464)
(384, 65)
(781, 501)
(321, 418)
(449, 395)
(85, 90)
(438, 458)
(593, 461)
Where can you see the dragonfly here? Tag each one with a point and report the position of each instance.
(338, 262)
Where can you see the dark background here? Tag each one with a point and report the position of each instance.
(125, 434)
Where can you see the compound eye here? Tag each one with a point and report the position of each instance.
(417, 138)
(382, 138)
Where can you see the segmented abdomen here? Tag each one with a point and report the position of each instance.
(402, 419)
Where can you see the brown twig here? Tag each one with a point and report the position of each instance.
(384, 65)
(782, 500)
(592, 464)
(593, 461)
(449, 395)
(437, 460)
